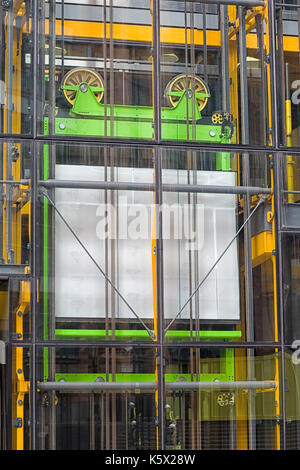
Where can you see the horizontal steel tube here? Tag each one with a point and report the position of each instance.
(151, 386)
(230, 385)
(97, 386)
(23, 182)
(108, 185)
(242, 3)
(182, 188)
(197, 188)
(285, 191)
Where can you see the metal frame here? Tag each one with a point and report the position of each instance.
(276, 150)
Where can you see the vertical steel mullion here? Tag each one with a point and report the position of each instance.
(62, 38)
(112, 243)
(247, 229)
(224, 57)
(156, 71)
(52, 149)
(105, 67)
(243, 77)
(33, 293)
(39, 69)
(262, 58)
(2, 65)
(186, 61)
(2, 195)
(273, 73)
(9, 190)
(280, 283)
(277, 199)
(281, 74)
(9, 68)
(9, 130)
(35, 66)
(204, 42)
(106, 151)
(298, 20)
(160, 299)
(192, 44)
(156, 83)
(34, 226)
(2, 78)
(52, 65)
(111, 67)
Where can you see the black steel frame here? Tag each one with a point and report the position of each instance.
(278, 152)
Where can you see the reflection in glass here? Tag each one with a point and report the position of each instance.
(16, 68)
(206, 245)
(288, 24)
(222, 399)
(97, 245)
(120, 418)
(216, 398)
(15, 201)
(292, 375)
(290, 260)
(101, 84)
(213, 74)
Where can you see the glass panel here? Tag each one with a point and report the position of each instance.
(214, 73)
(208, 239)
(222, 398)
(292, 375)
(96, 251)
(4, 310)
(15, 201)
(288, 33)
(119, 417)
(290, 187)
(15, 310)
(16, 69)
(290, 289)
(95, 70)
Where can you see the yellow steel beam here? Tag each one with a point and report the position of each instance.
(290, 161)
(249, 20)
(143, 33)
(19, 5)
(22, 386)
(138, 33)
(262, 246)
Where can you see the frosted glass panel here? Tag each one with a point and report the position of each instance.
(186, 263)
(80, 287)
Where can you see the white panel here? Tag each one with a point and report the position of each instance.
(218, 298)
(80, 287)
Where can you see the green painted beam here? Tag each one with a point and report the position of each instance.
(88, 117)
(119, 335)
(137, 377)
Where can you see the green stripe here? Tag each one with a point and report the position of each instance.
(139, 377)
(142, 334)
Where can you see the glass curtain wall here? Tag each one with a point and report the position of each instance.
(149, 225)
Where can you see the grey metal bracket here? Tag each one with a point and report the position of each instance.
(2, 352)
